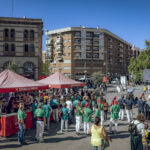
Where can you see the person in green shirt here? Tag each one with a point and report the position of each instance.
(40, 123)
(48, 110)
(83, 102)
(21, 120)
(101, 108)
(87, 114)
(64, 117)
(79, 111)
(114, 116)
(97, 111)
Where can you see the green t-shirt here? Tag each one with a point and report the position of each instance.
(39, 113)
(101, 106)
(21, 115)
(72, 98)
(115, 111)
(75, 102)
(83, 103)
(65, 112)
(79, 112)
(34, 107)
(97, 113)
(47, 109)
(87, 114)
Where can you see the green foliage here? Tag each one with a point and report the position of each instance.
(44, 68)
(97, 78)
(137, 66)
(13, 66)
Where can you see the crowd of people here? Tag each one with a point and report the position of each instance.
(87, 107)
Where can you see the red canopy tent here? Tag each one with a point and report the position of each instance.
(59, 81)
(12, 82)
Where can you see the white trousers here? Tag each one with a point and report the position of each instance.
(62, 124)
(129, 115)
(113, 121)
(39, 129)
(86, 127)
(102, 117)
(121, 114)
(55, 115)
(78, 123)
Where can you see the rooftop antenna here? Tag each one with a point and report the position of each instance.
(12, 7)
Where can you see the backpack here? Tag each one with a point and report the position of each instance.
(132, 129)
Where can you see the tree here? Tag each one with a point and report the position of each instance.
(137, 66)
(97, 78)
(13, 66)
(45, 68)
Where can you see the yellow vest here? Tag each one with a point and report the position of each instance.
(97, 136)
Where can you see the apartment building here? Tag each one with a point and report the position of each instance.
(80, 51)
(21, 42)
(135, 51)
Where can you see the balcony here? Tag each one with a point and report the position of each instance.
(59, 48)
(58, 41)
(77, 36)
(49, 48)
(96, 43)
(59, 58)
(49, 42)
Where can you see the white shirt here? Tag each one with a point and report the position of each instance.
(140, 127)
(69, 104)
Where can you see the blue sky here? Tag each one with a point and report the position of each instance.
(128, 19)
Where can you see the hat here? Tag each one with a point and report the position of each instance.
(86, 105)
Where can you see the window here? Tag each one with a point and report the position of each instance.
(109, 46)
(29, 70)
(64, 41)
(6, 47)
(12, 47)
(67, 61)
(77, 47)
(96, 55)
(88, 34)
(69, 47)
(88, 48)
(77, 41)
(88, 42)
(12, 34)
(69, 40)
(67, 68)
(96, 35)
(78, 34)
(6, 33)
(26, 49)
(96, 42)
(110, 39)
(69, 54)
(25, 34)
(32, 35)
(32, 49)
(95, 48)
(88, 55)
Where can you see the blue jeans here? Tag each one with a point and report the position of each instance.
(95, 148)
(21, 134)
(70, 117)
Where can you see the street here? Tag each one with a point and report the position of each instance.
(56, 140)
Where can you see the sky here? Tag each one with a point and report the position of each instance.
(129, 19)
